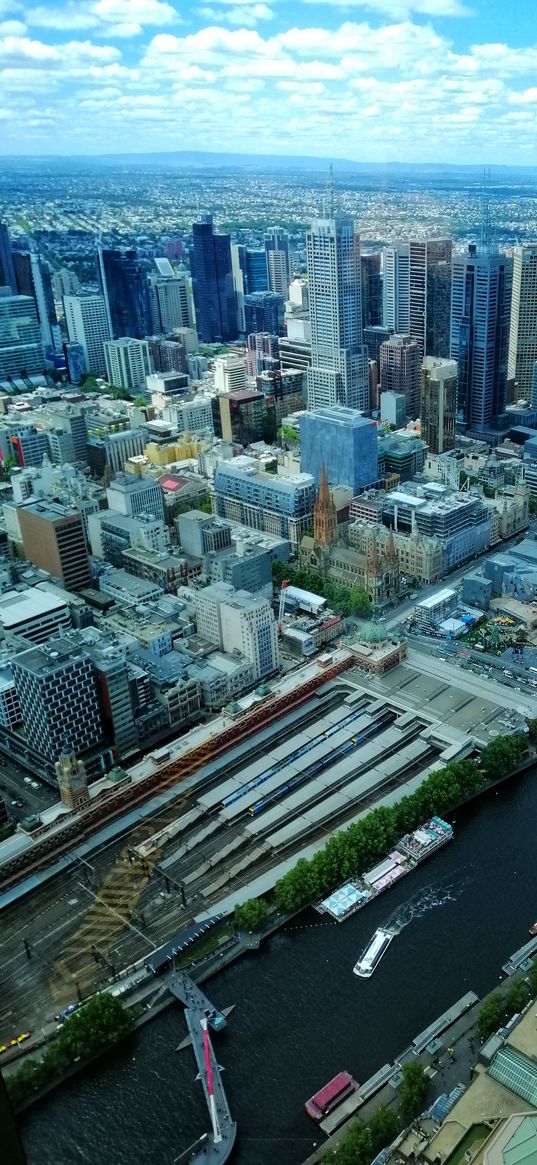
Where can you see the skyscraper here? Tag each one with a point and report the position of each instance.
(212, 284)
(58, 697)
(126, 293)
(171, 300)
(339, 370)
(87, 325)
(278, 265)
(438, 403)
(480, 315)
(34, 278)
(127, 362)
(341, 443)
(7, 271)
(417, 293)
(21, 350)
(371, 289)
(400, 371)
(263, 312)
(523, 326)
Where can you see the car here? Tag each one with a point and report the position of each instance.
(17, 804)
(66, 1011)
(34, 784)
(15, 1042)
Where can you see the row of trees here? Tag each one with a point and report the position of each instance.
(102, 1021)
(365, 1139)
(499, 1007)
(344, 600)
(354, 849)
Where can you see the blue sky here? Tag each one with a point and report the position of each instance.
(382, 80)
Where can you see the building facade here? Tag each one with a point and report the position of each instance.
(212, 284)
(87, 324)
(523, 325)
(278, 505)
(21, 348)
(339, 370)
(344, 442)
(58, 698)
(438, 403)
(128, 363)
(54, 539)
(480, 318)
(400, 371)
(124, 286)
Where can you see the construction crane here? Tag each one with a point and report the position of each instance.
(281, 607)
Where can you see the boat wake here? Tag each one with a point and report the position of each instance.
(448, 889)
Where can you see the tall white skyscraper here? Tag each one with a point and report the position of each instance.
(339, 369)
(417, 293)
(396, 288)
(523, 326)
(128, 362)
(87, 324)
(171, 299)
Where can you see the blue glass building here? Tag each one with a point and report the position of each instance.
(263, 312)
(125, 289)
(7, 272)
(212, 284)
(344, 441)
(480, 318)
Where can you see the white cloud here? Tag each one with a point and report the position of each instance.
(12, 28)
(401, 9)
(111, 17)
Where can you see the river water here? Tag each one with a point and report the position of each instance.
(302, 1015)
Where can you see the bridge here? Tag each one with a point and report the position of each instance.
(215, 1147)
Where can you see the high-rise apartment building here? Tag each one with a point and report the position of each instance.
(339, 371)
(125, 288)
(112, 451)
(167, 355)
(278, 265)
(262, 352)
(417, 293)
(480, 317)
(65, 282)
(212, 284)
(171, 300)
(7, 271)
(438, 403)
(53, 539)
(87, 324)
(278, 505)
(230, 373)
(371, 289)
(21, 348)
(523, 325)
(343, 443)
(400, 370)
(58, 698)
(34, 279)
(127, 362)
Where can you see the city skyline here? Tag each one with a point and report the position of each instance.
(400, 80)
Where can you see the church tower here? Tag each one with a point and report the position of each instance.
(324, 514)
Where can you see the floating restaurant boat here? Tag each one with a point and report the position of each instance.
(412, 849)
(330, 1096)
(373, 953)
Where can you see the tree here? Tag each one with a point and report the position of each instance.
(101, 1021)
(490, 1015)
(252, 914)
(503, 754)
(140, 401)
(532, 979)
(383, 1128)
(532, 727)
(286, 433)
(517, 997)
(413, 1090)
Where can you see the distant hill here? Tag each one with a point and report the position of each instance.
(205, 160)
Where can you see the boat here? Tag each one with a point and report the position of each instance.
(533, 929)
(373, 953)
(412, 849)
(330, 1095)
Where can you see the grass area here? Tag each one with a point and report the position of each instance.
(206, 945)
(23, 223)
(474, 1135)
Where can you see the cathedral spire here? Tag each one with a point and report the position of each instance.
(325, 514)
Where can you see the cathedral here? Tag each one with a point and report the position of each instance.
(328, 553)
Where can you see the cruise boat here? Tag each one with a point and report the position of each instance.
(332, 1094)
(373, 953)
(533, 928)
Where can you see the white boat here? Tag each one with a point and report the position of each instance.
(373, 953)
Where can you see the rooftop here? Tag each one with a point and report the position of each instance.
(19, 606)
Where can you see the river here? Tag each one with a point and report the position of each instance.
(302, 1015)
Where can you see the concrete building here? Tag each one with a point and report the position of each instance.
(126, 589)
(32, 274)
(278, 505)
(241, 416)
(230, 373)
(166, 384)
(262, 352)
(58, 698)
(167, 355)
(344, 442)
(21, 348)
(111, 452)
(171, 300)
(523, 324)
(277, 258)
(54, 539)
(33, 614)
(87, 324)
(396, 288)
(339, 370)
(194, 415)
(111, 534)
(438, 403)
(133, 495)
(72, 780)
(239, 621)
(128, 363)
(400, 370)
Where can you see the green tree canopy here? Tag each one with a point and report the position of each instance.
(490, 1015)
(413, 1090)
(252, 914)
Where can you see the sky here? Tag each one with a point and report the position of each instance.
(373, 80)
